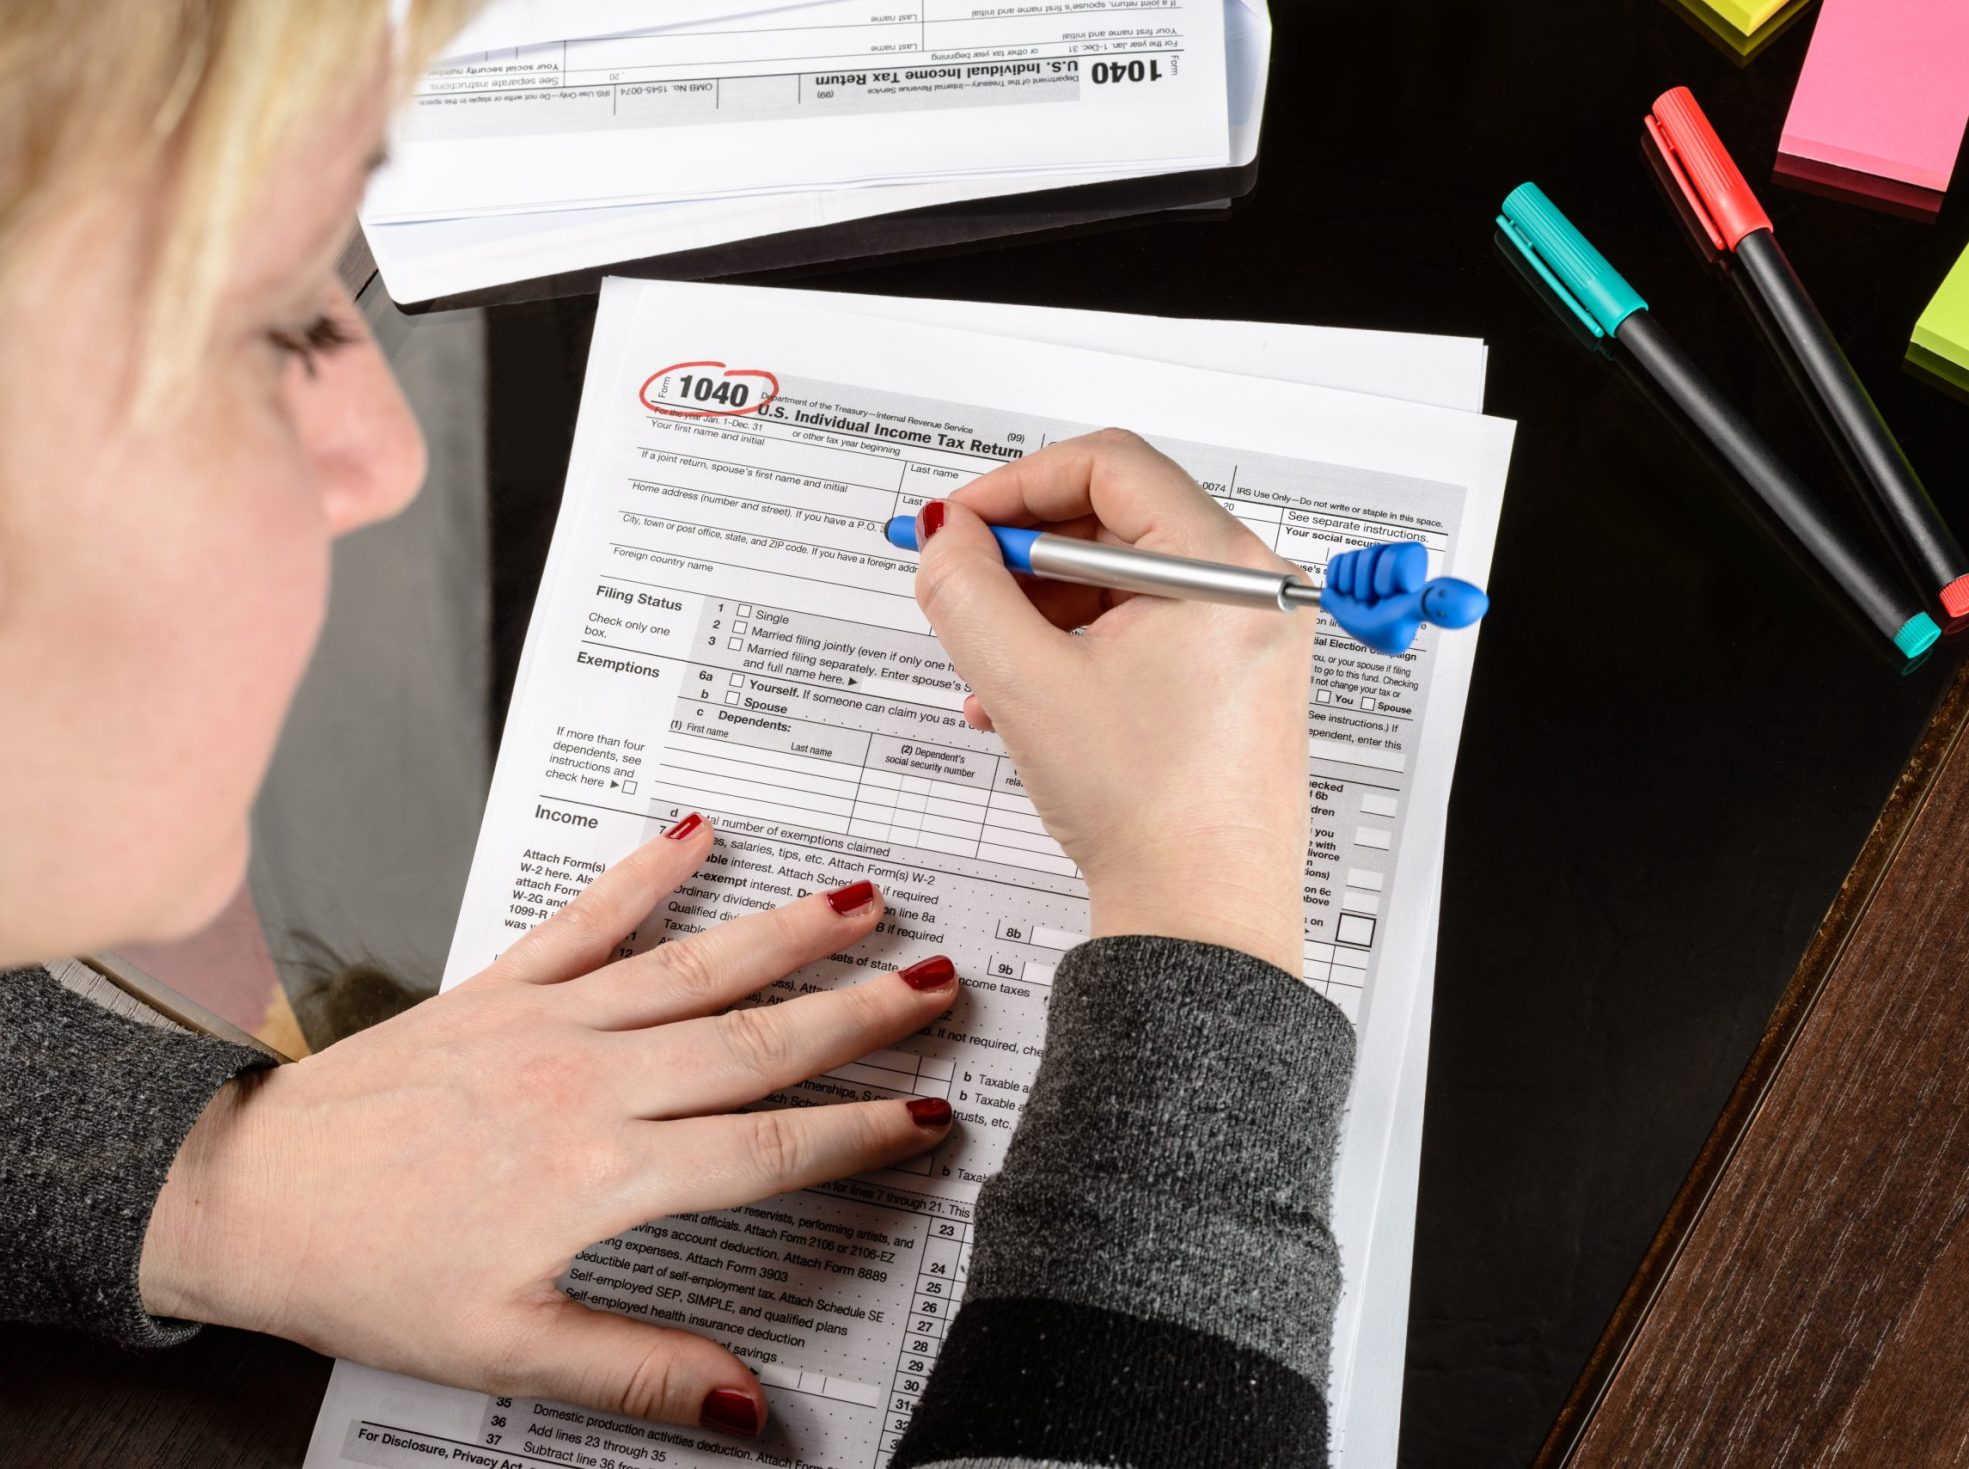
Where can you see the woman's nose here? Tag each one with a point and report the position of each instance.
(380, 472)
(368, 450)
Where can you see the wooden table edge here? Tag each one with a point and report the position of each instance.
(1890, 830)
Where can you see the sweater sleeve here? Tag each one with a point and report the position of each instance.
(1153, 1274)
(93, 1108)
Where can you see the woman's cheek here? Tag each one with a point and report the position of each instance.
(282, 565)
(222, 600)
(265, 596)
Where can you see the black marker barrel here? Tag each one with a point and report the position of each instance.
(1933, 556)
(1874, 588)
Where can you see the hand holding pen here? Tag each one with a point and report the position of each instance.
(1154, 744)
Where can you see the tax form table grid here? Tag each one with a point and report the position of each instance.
(980, 819)
(940, 816)
(816, 1385)
(940, 1281)
(900, 1071)
(1339, 972)
(936, 815)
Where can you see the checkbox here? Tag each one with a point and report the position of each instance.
(628, 788)
(738, 627)
(1367, 701)
(745, 609)
(734, 644)
(1355, 929)
(731, 698)
(1322, 696)
(738, 680)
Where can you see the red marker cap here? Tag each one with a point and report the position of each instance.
(1703, 169)
(1955, 602)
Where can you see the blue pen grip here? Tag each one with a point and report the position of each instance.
(1379, 596)
(1013, 544)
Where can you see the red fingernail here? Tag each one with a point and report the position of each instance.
(929, 974)
(685, 827)
(854, 896)
(730, 1411)
(929, 1112)
(929, 520)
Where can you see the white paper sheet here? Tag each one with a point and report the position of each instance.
(875, 95)
(1374, 458)
(1365, 1397)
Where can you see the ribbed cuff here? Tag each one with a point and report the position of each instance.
(1036, 1384)
(93, 1108)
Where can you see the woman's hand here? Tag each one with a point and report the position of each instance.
(1165, 746)
(408, 1197)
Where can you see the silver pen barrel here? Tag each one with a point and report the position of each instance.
(1066, 558)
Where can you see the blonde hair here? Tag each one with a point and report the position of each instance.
(96, 92)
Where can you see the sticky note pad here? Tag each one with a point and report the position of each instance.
(1884, 90)
(1944, 327)
(1741, 27)
(1743, 16)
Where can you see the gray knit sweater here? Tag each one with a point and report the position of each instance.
(1153, 1277)
(93, 1108)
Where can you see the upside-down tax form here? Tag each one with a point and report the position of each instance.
(442, 256)
(721, 628)
(424, 258)
(879, 93)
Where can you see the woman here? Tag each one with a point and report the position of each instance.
(189, 413)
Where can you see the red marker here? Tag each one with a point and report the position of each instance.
(1733, 219)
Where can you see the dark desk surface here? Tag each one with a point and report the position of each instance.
(1674, 749)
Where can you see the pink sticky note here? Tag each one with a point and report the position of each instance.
(1885, 89)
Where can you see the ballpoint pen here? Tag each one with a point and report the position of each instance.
(1602, 300)
(1728, 212)
(1380, 595)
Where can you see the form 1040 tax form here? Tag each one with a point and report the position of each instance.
(880, 94)
(721, 628)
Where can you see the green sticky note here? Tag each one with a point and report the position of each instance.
(1944, 327)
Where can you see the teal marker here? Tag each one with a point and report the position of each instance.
(1588, 286)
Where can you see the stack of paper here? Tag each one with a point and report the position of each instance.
(722, 628)
(577, 135)
(1882, 100)
(1941, 337)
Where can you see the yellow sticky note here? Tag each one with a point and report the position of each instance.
(1741, 27)
(1744, 15)
(1944, 327)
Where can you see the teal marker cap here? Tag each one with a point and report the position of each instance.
(1917, 635)
(1597, 293)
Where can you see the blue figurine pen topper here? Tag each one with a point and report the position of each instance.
(1380, 595)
